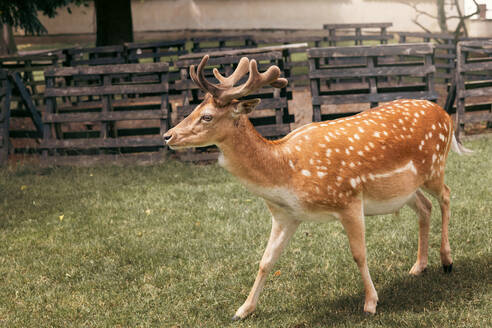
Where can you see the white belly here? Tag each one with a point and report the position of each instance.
(377, 207)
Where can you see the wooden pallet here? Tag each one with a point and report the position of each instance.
(159, 51)
(221, 43)
(358, 34)
(5, 97)
(30, 70)
(379, 74)
(105, 55)
(105, 110)
(473, 84)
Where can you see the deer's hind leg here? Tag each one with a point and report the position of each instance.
(422, 207)
(437, 188)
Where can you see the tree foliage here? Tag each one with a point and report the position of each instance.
(24, 13)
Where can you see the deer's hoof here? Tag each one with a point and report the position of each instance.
(447, 268)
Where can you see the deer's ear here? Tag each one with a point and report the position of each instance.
(245, 106)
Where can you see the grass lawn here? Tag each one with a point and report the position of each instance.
(178, 245)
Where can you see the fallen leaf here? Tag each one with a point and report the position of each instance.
(61, 217)
(277, 273)
(147, 211)
(23, 187)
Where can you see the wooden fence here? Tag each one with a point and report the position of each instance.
(358, 34)
(380, 74)
(221, 43)
(5, 94)
(473, 84)
(352, 78)
(444, 53)
(105, 112)
(29, 70)
(160, 51)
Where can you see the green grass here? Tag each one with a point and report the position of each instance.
(178, 245)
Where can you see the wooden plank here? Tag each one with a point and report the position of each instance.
(26, 99)
(375, 71)
(149, 158)
(487, 91)
(411, 49)
(477, 117)
(198, 157)
(158, 44)
(477, 66)
(106, 90)
(229, 59)
(99, 61)
(368, 98)
(91, 143)
(104, 116)
(273, 130)
(109, 69)
(93, 50)
(355, 25)
(340, 38)
(443, 36)
(239, 52)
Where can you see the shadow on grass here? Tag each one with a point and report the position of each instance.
(408, 294)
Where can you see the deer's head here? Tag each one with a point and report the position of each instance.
(212, 120)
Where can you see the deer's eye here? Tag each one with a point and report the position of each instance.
(207, 118)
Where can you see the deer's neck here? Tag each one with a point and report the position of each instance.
(252, 158)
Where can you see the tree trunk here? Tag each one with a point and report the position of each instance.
(7, 42)
(114, 22)
(441, 16)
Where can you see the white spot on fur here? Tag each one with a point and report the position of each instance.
(306, 173)
(321, 174)
(356, 136)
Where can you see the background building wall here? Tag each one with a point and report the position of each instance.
(161, 15)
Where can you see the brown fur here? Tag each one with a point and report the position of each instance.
(374, 161)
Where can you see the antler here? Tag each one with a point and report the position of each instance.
(225, 91)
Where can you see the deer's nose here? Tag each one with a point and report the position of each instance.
(167, 136)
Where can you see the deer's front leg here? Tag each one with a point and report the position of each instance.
(353, 223)
(283, 228)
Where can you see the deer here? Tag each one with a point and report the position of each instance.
(372, 163)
